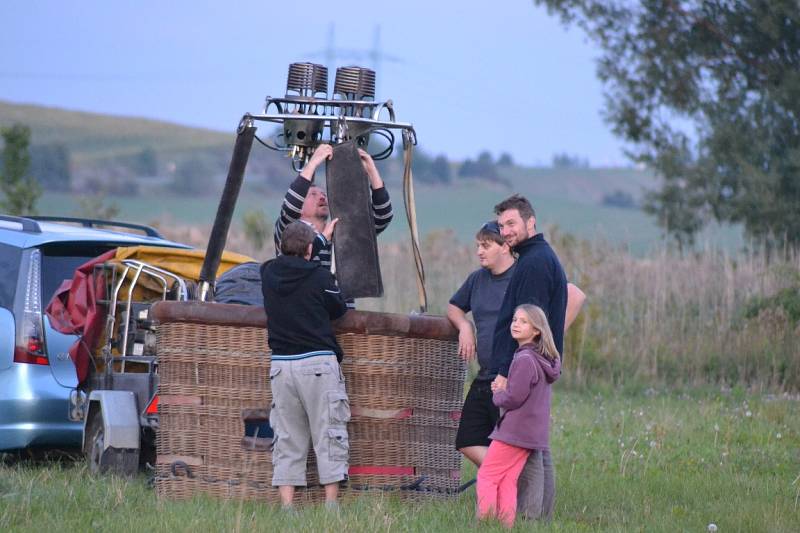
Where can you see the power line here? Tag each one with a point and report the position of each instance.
(374, 57)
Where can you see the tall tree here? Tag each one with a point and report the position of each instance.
(708, 94)
(441, 168)
(19, 189)
(50, 166)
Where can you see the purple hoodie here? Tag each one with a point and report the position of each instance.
(526, 422)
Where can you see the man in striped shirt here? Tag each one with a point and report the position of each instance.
(309, 203)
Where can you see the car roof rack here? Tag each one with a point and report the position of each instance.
(93, 223)
(28, 225)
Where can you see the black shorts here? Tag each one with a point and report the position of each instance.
(478, 416)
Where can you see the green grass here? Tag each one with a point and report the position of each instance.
(646, 461)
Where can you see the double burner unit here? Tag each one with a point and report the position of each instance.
(351, 113)
(309, 117)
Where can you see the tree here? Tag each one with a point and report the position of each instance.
(618, 198)
(483, 167)
(257, 228)
(707, 92)
(565, 160)
(96, 206)
(428, 169)
(440, 168)
(505, 160)
(468, 169)
(20, 189)
(145, 163)
(193, 176)
(50, 166)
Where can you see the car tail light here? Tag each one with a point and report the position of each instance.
(30, 341)
(152, 407)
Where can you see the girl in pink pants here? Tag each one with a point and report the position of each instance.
(524, 425)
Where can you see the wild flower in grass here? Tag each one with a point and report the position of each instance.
(712, 527)
(748, 413)
(778, 436)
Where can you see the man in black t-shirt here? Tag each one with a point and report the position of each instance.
(482, 294)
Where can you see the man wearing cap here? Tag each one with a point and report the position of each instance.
(482, 294)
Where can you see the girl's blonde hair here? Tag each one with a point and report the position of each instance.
(544, 344)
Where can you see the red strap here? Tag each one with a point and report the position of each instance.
(368, 470)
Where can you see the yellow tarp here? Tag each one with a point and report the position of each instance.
(183, 263)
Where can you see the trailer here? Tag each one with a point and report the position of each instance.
(118, 401)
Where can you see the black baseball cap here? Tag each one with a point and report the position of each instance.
(491, 226)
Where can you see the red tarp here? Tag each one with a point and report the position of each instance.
(74, 310)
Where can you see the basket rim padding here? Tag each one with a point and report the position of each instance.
(364, 322)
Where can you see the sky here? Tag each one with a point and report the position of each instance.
(470, 75)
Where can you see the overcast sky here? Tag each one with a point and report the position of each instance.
(502, 76)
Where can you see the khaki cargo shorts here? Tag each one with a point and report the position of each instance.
(309, 403)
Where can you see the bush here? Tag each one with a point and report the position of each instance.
(619, 199)
(787, 300)
(257, 229)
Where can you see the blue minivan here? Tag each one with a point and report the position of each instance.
(36, 373)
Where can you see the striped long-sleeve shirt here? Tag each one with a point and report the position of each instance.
(321, 250)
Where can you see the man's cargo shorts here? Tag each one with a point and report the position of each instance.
(309, 402)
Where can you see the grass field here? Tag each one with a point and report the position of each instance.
(460, 208)
(642, 460)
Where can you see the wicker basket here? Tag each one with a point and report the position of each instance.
(404, 379)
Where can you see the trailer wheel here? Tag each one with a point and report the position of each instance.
(123, 462)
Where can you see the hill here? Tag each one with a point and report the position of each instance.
(105, 152)
(92, 136)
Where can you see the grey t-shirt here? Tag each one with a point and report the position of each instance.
(483, 293)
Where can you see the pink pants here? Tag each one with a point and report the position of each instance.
(497, 481)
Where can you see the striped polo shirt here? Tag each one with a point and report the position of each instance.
(321, 251)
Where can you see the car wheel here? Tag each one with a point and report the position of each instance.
(123, 462)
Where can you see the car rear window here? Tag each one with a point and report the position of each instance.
(59, 262)
(9, 271)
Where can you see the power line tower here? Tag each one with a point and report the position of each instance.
(374, 57)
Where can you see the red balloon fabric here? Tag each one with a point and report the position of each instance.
(74, 310)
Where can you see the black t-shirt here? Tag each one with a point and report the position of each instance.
(482, 293)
